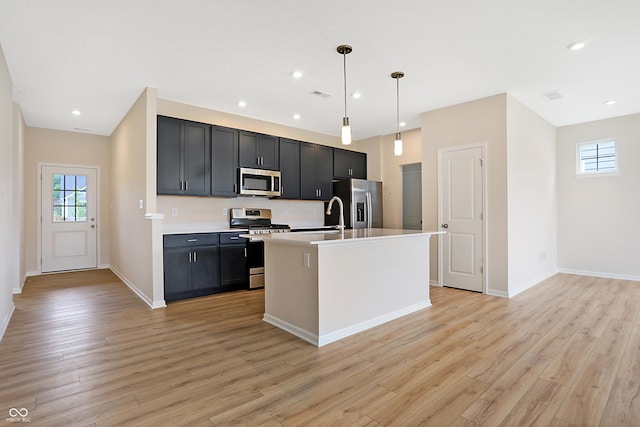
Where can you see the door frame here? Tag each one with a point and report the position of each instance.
(485, 213)
(39, 209)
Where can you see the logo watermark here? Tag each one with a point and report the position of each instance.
(18, 416)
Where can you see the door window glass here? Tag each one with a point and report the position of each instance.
(69, 198)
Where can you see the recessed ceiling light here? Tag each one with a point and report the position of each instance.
(296, 116)
(356, 95)
(577, 45)
(297, 74)
(76, 112)
(610, 102)
(242, 104)
(402, 124)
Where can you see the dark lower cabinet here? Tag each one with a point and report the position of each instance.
(233, 260)
(202, 264)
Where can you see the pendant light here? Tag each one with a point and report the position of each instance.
(397, 143)
(344, 50)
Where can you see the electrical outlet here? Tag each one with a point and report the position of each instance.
(225, 211)
(542, 256)
(141, 204)
(174, 212)
(286, 211)
(306, 259)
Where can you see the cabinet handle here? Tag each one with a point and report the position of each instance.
(234, 238)
(186, 186)
(195, 257)
(190, 256)
(245, 252)
(192, 240)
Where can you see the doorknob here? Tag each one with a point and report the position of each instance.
(445, 225)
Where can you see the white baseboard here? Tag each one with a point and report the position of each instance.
(32, 273)
(5, 322)
(321, 340)
(599, 274)
(17, 291)
(532, 283)
(434, 283)
(494, 293)
(138, 292)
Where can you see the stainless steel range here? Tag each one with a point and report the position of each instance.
(257, 222)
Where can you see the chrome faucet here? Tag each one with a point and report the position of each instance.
(337, 199)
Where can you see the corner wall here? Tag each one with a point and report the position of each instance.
(132, 251)
(532, 197)
(9, 176)
(480, 121)
(598, 226)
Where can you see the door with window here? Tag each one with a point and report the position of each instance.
(69, 218)
(461, 216)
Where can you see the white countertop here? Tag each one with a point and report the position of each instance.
(349, 236)
(198, 227)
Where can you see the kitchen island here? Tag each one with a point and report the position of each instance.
(322, 287)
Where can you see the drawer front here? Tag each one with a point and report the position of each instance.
(232, 238)
(194, 239)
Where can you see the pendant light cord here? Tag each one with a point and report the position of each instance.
(397, 105)
(344, 68)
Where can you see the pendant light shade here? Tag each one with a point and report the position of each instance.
(397, 143)
(345, 135)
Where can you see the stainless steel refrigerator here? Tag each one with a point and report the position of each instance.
(362, 201)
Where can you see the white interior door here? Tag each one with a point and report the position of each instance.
(69, 218)
(461, 216)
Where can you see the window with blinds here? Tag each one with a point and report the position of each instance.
(597, 157)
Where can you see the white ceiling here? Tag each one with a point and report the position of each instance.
(97, 57)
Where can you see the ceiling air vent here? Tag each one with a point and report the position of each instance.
(320, 94)
(552, 95)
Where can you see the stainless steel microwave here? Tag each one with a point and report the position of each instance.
(259, 182)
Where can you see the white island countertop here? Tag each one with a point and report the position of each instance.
(349, 236)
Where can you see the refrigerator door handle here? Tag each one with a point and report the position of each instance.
(369, 210)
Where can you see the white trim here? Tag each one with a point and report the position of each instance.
(303, 334)
(501, 294)
(599, 274)
(39, 209)
(533, 283)
(435, 283)
(154, 216)
(31, 273)
(6, 320)
(140, 294)
(330, 337)
(485, 212)
(17, 291)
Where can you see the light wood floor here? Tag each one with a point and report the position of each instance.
(82, 349)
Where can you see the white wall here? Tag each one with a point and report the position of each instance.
(532, 197)
(10, 277)
(65, 148)
(599, 217)
(480, 121)
(133, 254)
(18, 195)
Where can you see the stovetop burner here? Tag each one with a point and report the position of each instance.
(258, 221)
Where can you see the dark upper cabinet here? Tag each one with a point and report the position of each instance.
(183, 157)
(224, 161)
(316, 171)
(349, 164)
(258, 151)
(290, 168)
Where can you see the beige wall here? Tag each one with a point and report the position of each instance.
(598, 226)
(9, 270)
(532, 197)
(133, 247)
(71, 149)
(480, 121)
